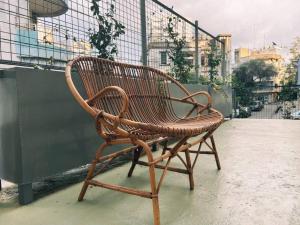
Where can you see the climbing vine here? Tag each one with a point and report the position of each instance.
(214, 59)
(181, 67)
(109, 29)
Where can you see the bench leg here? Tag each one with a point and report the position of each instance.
(136, 155)
(165, 147)
(154, 190)
(91, 171)
(154, 147)
(88, 177)
(215, 152)
(190, 169)
(153, 195)
(155, 202)
(156, 212)
(25, 193)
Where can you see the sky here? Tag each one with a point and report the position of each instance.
(252, 23)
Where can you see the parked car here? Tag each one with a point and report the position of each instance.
(243, 112)
(295, 115)
(256, 106)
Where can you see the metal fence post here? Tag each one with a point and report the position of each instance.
(298, 74)
(196, 50)
(143, 31)
(234, 105)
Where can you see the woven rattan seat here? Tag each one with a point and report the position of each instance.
(183, 127)
(134, 105)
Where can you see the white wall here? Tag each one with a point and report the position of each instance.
(9, 24)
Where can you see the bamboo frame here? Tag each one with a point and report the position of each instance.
(116, 92)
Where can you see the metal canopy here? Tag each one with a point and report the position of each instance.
(48, 8)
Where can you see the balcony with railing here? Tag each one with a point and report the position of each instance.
(47, 142)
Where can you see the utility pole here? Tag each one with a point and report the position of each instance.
(298, 74)
(196, 50)
(143, 31)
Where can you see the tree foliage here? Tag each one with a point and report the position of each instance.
(243, 92)
(292, 66)
(254, 72)
(288, 93)
(109, 30)
(181, 67)
(204, 80)
(214, 57)
(248, 76)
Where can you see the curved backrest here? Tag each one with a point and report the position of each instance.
(147, 88)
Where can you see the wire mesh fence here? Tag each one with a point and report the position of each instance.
(48, 33)
(30, 38)
(268, 102)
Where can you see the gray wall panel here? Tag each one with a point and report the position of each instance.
(10, 151)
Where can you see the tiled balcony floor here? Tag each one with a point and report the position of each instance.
(259, 184)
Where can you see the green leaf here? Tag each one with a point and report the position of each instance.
(109, 30)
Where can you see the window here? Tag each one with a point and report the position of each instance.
(163, 58)
(202, 61)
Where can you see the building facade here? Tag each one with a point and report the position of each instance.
(268, 55)
(32, 37)
(159, 41)
(268, 92)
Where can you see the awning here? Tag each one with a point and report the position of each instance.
(48, 8)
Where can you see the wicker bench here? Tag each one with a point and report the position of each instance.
(133, 105)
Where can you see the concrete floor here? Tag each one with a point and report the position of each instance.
(259, 184)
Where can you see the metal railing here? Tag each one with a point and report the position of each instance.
(267, 102)
(28, 38)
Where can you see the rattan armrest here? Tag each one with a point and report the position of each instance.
(197, 106)
(108, 89)
(209, 100)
